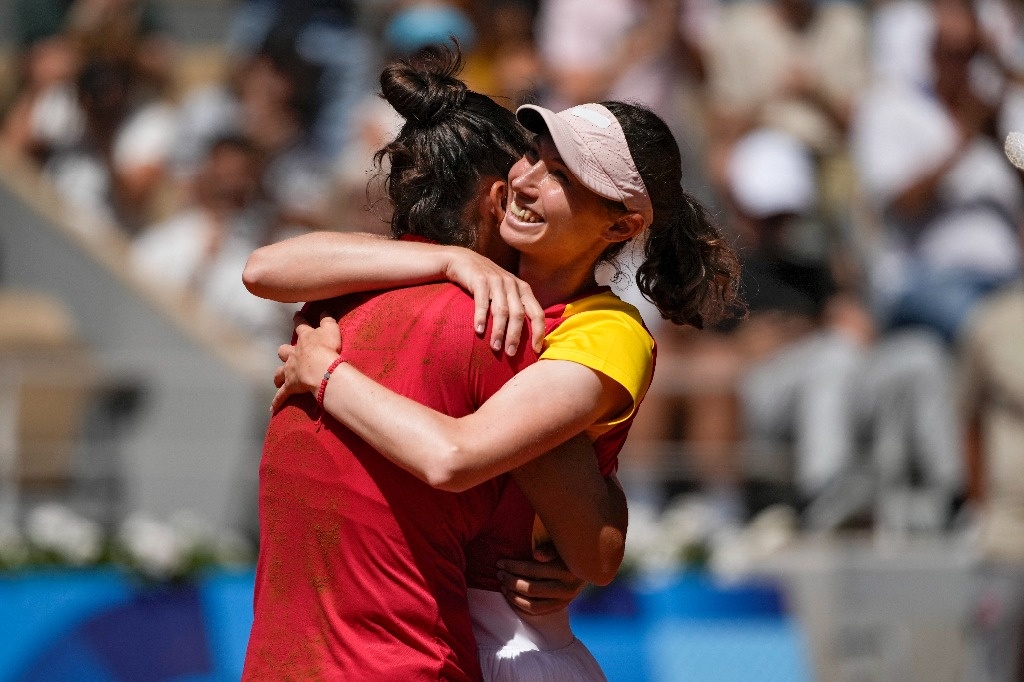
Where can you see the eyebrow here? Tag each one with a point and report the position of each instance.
(555, 155)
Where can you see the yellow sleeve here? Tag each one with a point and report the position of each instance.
(612, 342)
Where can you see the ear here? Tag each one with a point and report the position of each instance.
(498, 198)
(625, 227)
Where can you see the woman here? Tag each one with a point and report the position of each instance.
(598, 175)
(361, 573)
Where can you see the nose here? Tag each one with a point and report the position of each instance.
(525, 175)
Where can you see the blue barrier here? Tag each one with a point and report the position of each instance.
(689, 627)
(103, 626)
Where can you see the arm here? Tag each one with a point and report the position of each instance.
(584, 512)
(585, 515)
(541, 407)
(534, 412)
(321, 265)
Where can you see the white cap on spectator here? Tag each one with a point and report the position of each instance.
(771, 173)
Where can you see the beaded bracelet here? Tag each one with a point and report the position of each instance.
(323, 382)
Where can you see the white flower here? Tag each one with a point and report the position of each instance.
(735, 554)
(689, 521)
(773, 529)
(153, 546)
(645, 546)
(73, 538)
(732, 556)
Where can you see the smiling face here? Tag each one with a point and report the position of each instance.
(551, 215)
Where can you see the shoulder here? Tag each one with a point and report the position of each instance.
(600, 313)
(606, 334)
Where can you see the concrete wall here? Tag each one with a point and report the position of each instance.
(195, 440)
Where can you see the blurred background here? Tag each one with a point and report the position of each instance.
(831, 488)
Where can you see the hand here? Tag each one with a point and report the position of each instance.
(541, 586)
(509, 299)
(306, 361)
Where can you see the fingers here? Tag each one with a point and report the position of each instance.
(512, 302)
(279, 376)
(299, 321)
(278, 400)
(542, 569)
(481, 306)
(516, 315)
(535, 313)
(538, 596)
(499, 313)
(284, 351)
(534, 607)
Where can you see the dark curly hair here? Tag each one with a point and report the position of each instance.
(452, 139)
(690, 273)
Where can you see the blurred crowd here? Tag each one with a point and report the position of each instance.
(852, 150)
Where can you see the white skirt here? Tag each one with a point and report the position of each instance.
(518, 648)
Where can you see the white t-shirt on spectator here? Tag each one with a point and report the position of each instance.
(174, 254)
(899, 134)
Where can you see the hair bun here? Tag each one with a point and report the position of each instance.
(424, 88)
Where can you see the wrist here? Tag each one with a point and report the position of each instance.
(449, 258)
(325, 378)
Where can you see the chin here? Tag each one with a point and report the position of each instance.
(520, 236)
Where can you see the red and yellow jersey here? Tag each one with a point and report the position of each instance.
(606, 334)
(602, 332)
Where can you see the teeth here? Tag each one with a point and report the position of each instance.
(524, 214)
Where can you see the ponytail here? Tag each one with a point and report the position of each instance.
(689, 272)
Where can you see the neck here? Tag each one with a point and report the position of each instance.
(557, 282)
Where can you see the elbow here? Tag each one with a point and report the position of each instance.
(254, 276)
(601, 567)
(449, 472)
(613, 549)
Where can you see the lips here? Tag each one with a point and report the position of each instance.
(524, 214)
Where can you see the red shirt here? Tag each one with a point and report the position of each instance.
(361, 572)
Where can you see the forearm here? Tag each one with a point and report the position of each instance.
(584, 513)
(525, 419)
(321, 265)
(418, 439)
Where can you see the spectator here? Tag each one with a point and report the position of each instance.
(796, 65)
(359, 202)
(327, 35)
(947, 200)
(200, 251)
(114, 169)
(992, 386)
(858, 412)
(507, 48)
(44, 112)
(616, 49)
(272, 99)
(50, 117)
